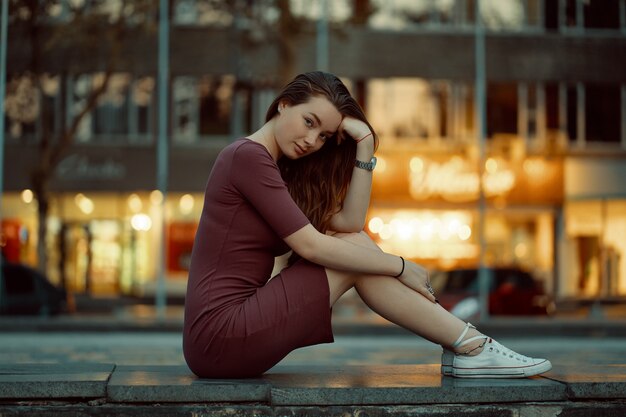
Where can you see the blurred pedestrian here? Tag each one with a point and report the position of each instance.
(302, 182)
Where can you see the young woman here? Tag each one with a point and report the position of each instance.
(302, 183)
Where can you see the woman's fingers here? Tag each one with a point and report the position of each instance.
(417, 278)
(430, 295)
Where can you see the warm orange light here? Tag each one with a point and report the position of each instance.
(27, 196)
(84, 203)
(416, 164)
(134, 203)
(423, 233)
(156, 197)
(464, 232)
(186, 204)
(375, 224)
(381, 165)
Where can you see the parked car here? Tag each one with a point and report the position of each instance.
(26, 291)
(512, 292)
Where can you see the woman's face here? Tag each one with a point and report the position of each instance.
(302, 129)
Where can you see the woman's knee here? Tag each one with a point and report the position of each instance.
(339, 282)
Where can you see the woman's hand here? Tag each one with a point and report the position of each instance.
(416, 277)
(354, 128)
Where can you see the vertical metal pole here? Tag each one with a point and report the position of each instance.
(604, 276)
(581, 136)
(4, 22)
(559, 261)
(236, 115)
(623, 97)
(622, 16)
(322, 37)
(563, 112)
(481, 133)
(162, 147)
(451, 111)
(561, 16)
(522, 113)
(526, 9)
(541, 123)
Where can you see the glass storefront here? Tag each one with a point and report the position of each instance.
(425, 207)
(105, 244)
(595, 246)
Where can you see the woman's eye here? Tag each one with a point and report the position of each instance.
(324, 137)
(308, 122)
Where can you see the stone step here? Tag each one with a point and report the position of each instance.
(106, 389)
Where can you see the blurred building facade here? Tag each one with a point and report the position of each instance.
(556, 137)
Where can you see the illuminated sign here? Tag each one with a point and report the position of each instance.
(81, 167)
(456, 180)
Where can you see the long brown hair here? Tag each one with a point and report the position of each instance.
(318, 183)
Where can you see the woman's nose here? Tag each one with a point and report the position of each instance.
(310, 138)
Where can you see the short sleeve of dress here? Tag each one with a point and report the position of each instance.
(257, 177)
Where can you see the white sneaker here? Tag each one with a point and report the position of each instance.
(495, 361)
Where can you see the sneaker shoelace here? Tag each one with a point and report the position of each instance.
(506, 352)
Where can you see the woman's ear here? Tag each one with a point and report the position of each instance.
(282, 105)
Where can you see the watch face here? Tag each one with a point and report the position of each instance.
(373, 162)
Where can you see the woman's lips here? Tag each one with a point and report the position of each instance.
(300, 150)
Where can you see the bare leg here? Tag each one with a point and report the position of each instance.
(397, 303)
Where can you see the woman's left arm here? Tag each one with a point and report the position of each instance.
(351, 218)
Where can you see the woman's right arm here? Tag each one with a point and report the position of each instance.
(343, 255)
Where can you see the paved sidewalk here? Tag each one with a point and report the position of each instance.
(147, 321)
(297, 389)
(405, 390)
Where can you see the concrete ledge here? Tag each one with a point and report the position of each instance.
(588, 382)
(403, 384)
(420, 390)
(561, 409)
(53, 381)
(150, 384)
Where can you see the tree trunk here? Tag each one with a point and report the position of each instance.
(288, 28)
(43, 206)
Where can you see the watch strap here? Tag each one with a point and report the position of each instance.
(368, 166)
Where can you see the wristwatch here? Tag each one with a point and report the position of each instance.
(368, 166)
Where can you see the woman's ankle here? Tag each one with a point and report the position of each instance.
(473, 347)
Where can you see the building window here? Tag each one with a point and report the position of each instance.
(581, 15)
(601, 14)
(590, 113)
(215, 101)
(602, 113)
(501, 109)
(409, 108)
(51, 103)
(142, 104)
(111, 114)
(202, 108)
(124, 111)
(204, 13)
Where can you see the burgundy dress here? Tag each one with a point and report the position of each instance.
(237, 324)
